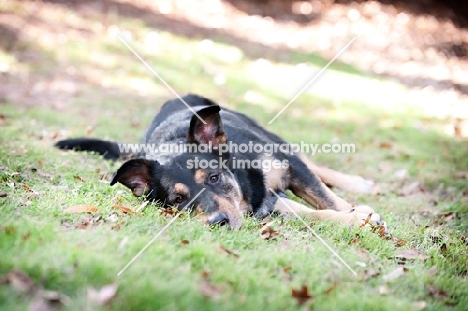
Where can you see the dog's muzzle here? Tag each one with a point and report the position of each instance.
(222, 219)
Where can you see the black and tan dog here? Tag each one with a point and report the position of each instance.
(225, 190)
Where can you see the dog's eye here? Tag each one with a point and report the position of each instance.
(214, 178)
(179, 199)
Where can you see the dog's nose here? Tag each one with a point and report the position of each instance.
(218, 219)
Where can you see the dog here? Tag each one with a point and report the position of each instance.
(205, 173)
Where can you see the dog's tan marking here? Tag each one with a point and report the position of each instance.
(233, 213)
(275, 177)
(352, 183)
(321, 202)
(182, 189)
(200, 176)
(351, 217)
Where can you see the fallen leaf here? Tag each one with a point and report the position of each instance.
(10, 230)
(301, 295)
(443, 249)
(330, 289)
(410, 254)
(30, 191)
(78, 178)
(103, 296)
(184, 242)
(168, 211)
(124, 209)
(382, 230)
(287, 268)
(82, 208)
(398, 242)
(366, 221)
(3, 119)
(205, 274)
(385, 145)
(117, 226)
(19, 281)
(228, 252)
(398, 272)
(210, 290)
(268, 233)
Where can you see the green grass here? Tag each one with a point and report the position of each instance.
(117, 98)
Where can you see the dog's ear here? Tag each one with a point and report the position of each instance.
(137, 175)
(212, 131)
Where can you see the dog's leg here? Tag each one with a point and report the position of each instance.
(305, 184)
(351, 183)
(352, 217)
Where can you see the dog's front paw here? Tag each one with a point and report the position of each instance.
(365, 215)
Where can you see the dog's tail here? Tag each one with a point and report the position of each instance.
(109, 149)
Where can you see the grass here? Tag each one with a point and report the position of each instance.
(116, 98)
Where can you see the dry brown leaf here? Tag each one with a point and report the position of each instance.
(9, 230)
(205, 274)
(168, 211)
(103, 296)
(210, 290)
(228, 252)
(330, 289)
(3, 119)
(410, 254)
(184, 242)
(29, 190)
(398, 272)
(443, 249)
(301, 295)
(366, 221)
(287, 268)
(381, 230)
(78, 178)
(268, 233)
(385, 145)
(117, 226)
(398, 242)
(81, 208)
(124, 209)
(19, 281)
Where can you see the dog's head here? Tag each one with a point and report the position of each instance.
(184, 182)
